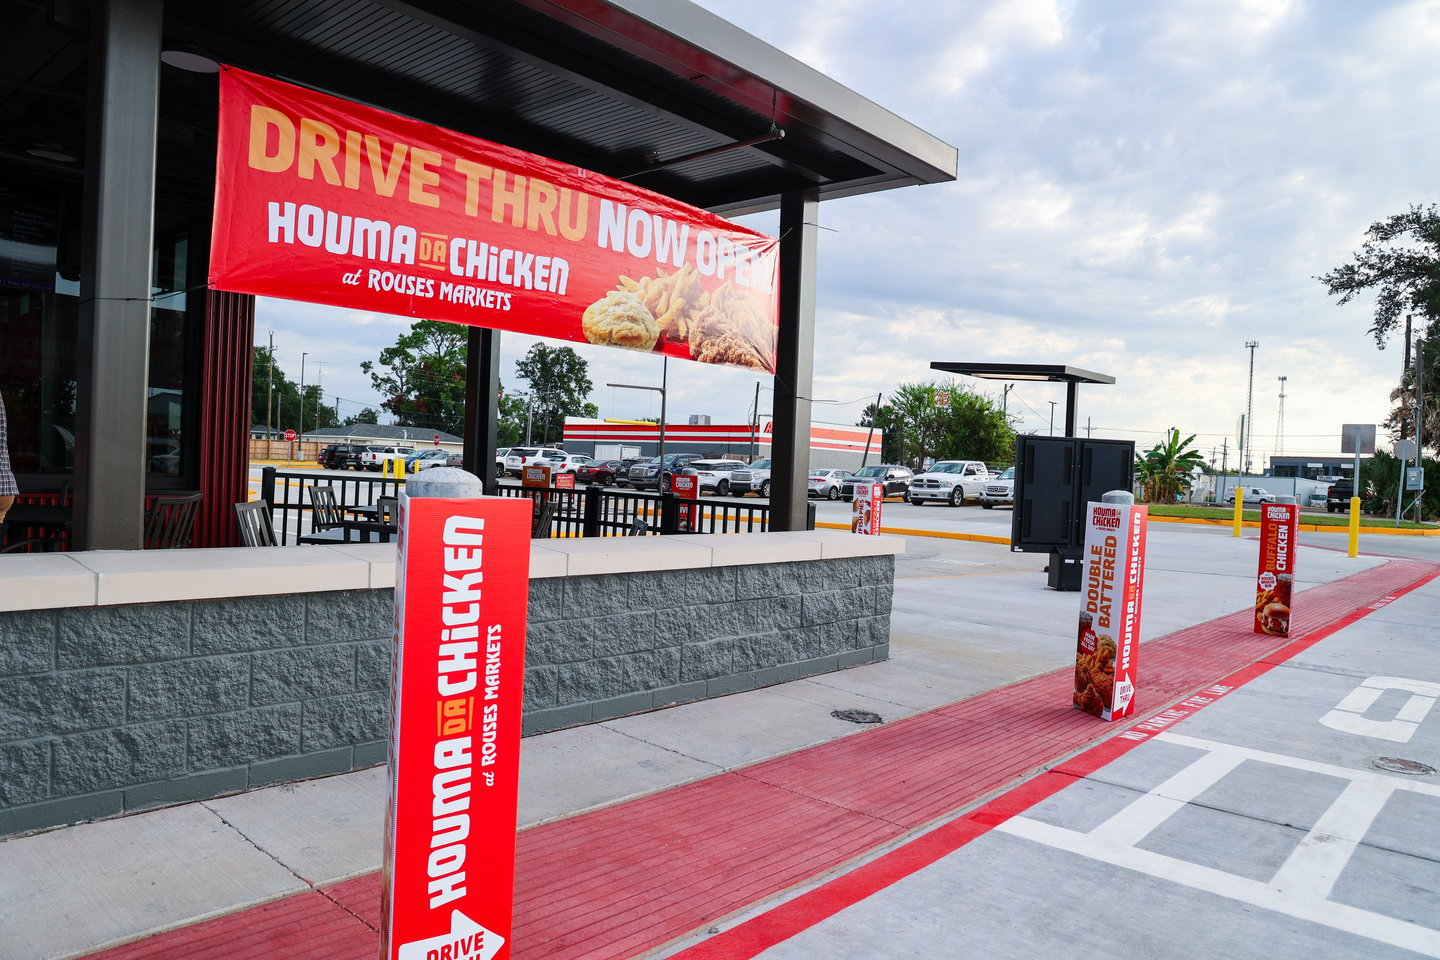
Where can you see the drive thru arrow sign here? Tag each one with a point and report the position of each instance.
(467, 940)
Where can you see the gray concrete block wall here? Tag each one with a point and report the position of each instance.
(107, 710)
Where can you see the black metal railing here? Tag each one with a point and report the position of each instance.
(290, 505)
(587, 512)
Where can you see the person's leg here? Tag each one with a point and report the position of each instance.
(6, 502)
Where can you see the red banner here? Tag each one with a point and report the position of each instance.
(1275, 580)
(327, 201)
(461, 589)
(1107, 645)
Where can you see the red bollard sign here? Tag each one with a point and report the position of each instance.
(865, 508)
(1108, 641)
(687, 488)
(461, 589)
(1275, 581)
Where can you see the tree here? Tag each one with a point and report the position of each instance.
(366, 415)
(559, 386)
(1400, 260)
(422, 376)
(918, 427)
(285, 401)
(1166, 469)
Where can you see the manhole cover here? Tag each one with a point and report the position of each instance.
(856, 716)
(1400, 765)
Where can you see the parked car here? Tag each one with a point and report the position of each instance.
(518, 457)
(714, 475)
(999, 490)
(1318, 498)
(598, 471)
(1252, 495)
(622, 473)
(826, 483)
(500, 456)
(754, 478)
(426, 459)
(560, 462)
(341, 456)
(895, 477)
(950, 481)
(375, 456)
(647, 474)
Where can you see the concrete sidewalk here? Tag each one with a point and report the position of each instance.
(969, 618)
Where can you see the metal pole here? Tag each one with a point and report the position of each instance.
(302, 394)
(1052, 418)
(755, 424)
(1249, 407)
(664, 382)
(871, 435)
(270, 393)
(1419, 418)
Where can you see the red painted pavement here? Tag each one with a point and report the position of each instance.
(631, 877)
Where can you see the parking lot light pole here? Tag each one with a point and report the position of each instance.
(664, 378)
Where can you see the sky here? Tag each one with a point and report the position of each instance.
(1143, 188)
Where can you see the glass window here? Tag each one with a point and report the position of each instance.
(39, 310)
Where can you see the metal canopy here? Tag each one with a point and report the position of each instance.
(622, 88)
(1059, 373)
(1072, 377)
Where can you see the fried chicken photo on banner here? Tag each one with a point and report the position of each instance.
(727, 325)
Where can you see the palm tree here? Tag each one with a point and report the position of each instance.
(1165, 469)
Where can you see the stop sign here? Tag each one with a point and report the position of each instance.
(290, 434)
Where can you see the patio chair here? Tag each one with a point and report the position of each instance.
(326, 523)
(169, 522)
(540, 526)
(638, 527)
(387, 510)
(256, 530)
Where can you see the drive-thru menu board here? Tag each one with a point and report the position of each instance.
(461, 587)
(1275, 581)
(1108, 642)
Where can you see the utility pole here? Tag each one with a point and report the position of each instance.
(1052, 418)
(1005, 402)
(302, 395)
(755, 424)
(270, 392)
(1087, 428)
(1245, 465)
(320, 391)
(871, 435)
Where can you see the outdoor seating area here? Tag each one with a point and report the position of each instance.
(42, 524)
(307, 510)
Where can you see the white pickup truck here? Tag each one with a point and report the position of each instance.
(375, 456)
(950, 481)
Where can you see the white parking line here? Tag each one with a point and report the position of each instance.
(1300, 888)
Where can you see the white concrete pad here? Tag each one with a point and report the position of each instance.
(320, 830)
(75, 890)
(567, 771)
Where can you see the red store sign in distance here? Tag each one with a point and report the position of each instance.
(462, 584)
(327, 201)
